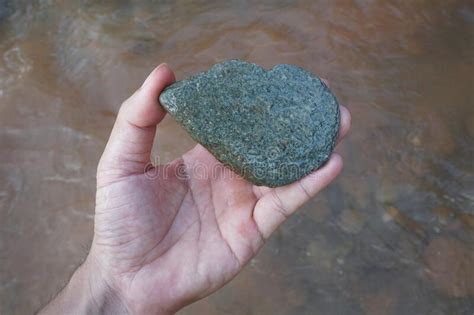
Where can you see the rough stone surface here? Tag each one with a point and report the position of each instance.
(271, 127)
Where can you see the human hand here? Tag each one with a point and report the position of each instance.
(162, 242)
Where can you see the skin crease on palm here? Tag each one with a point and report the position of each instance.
(163, 242)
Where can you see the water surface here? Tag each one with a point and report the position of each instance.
(393, 235)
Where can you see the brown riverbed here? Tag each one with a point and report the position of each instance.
(393, 235)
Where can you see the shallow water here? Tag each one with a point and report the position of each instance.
(393, 235)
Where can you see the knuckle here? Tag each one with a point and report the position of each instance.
(278, 205)
(304, 190)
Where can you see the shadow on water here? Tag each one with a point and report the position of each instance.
(393, 235)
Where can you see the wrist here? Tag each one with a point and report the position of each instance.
(86, 293)
(112, 289)
(105, 298)
(99, 296)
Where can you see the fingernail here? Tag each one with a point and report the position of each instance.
(148, 79)
(325, 81)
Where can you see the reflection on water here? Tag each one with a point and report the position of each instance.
(393, 235)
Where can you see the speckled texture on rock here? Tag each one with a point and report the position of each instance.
(271, 127)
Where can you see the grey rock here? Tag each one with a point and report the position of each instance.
(271, 127)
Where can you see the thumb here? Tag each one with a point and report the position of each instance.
(129, 147)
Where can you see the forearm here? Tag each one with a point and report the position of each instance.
(85, 293)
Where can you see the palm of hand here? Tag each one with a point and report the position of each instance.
(187, 232)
